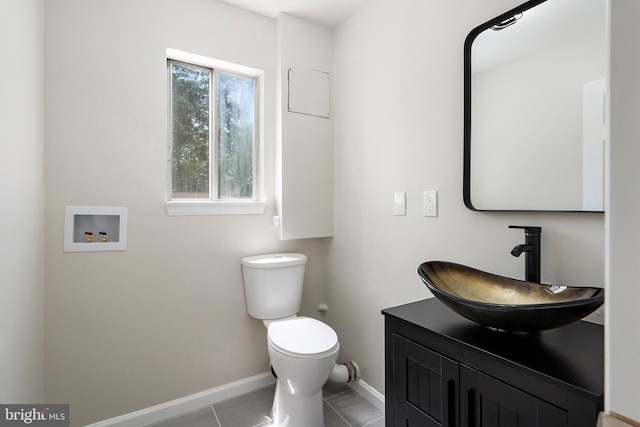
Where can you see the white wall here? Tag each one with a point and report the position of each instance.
(398, 75)
(623, 290)
(165, 318)
(22, 186)
(304, 143)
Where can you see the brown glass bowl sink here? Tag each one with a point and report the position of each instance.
(508, 304)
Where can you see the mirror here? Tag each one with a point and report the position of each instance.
(534, 129)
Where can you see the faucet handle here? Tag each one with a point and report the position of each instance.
(531, 230)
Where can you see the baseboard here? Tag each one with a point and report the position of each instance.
(368, 392)
(189, 403)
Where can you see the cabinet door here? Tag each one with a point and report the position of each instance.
(487, 402)
(425, 385)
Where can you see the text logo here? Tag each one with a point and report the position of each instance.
(34, 415)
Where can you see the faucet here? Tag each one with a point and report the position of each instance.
(531, 247)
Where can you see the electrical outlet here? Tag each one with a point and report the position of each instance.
(430, 203)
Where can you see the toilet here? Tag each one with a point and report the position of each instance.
(303, 351)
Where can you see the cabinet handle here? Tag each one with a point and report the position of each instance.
(471, 408)
(451, 402)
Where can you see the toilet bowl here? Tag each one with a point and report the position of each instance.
(303, 352)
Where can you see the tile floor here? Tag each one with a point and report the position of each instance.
(343, 407)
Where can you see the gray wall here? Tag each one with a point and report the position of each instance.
(22, 187)
(166, 318)
(623, 345)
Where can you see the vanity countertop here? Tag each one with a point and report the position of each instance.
(573, 354)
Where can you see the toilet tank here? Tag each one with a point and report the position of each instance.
(273, 284)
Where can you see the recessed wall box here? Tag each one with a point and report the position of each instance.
(107, 224)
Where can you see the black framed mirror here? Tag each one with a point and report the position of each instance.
(534, 131)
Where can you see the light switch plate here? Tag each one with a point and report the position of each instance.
(400, 203)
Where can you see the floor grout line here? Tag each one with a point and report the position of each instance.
(216, 415)
(373, 421)
(337, 394)
(339, 414)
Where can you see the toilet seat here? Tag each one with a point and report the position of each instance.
(302, 337)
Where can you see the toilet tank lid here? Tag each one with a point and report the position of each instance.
(274, 260)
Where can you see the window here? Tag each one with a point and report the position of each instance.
(214, 137)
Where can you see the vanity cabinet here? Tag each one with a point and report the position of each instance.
(443, 370)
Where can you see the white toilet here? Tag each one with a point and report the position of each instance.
(303, 351)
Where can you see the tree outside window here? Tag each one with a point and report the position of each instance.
(206, 164)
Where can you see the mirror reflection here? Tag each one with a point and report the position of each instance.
(534, 108)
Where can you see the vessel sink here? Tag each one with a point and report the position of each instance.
(507, 304)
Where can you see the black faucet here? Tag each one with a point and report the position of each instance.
(532, 248)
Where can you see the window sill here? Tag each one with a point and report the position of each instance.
(191, 207)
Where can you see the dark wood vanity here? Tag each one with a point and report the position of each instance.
(444, 370)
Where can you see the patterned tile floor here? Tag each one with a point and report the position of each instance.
(343, 407)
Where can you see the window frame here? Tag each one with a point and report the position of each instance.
(213, 205)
